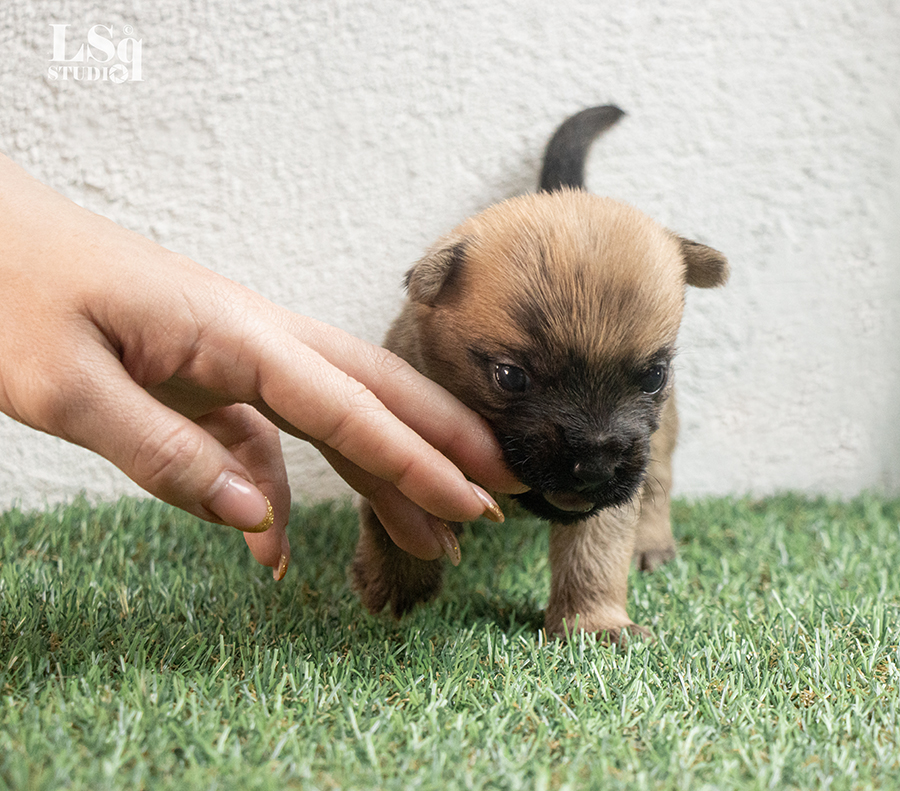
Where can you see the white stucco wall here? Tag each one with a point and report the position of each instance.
(312, 150)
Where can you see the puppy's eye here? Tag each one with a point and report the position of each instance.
(511, 378)
(654, 379)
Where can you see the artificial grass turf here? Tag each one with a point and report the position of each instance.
(142, 648)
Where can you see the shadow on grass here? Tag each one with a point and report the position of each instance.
(507, 614)
(502, 580)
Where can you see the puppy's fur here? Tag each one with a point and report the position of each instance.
(555, 316)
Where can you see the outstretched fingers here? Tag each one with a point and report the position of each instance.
(326, 405)
(428, 409)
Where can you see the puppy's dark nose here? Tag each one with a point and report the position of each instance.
(595, 471)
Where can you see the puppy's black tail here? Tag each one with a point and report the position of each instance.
(567, 150)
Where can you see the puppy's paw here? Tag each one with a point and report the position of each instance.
(403, 583)
(618, 635)
(652, 558)
(622, 635)
(369, 585)
(612, 631)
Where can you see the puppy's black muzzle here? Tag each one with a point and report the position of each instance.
(592, 476)
(571, 485)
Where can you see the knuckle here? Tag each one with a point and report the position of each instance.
(49, 408)
(369, 433)
(165, 456)
(54, 398)
(385, 364)
(361, 409)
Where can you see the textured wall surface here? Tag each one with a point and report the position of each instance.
(313, 150)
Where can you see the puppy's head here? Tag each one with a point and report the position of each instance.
(555, 317)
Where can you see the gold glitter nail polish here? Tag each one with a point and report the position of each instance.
(267, 522)
(447, 539)
(278, 573)
(491, 509)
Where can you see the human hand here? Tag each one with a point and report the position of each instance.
(180, 377)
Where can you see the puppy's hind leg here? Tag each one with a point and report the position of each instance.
(654, 543)
(381, 572)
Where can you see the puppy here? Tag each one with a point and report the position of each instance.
(555, 316)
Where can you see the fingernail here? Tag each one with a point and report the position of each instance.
(240, 504)
(491, 509)
(279, 572)
(447, 539)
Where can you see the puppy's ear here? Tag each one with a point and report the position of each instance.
(706, 267)
(436, 275)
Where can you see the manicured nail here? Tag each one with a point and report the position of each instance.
(240, 504)
(447, 539)
(281, 569)
(278, 573)
(491, 509)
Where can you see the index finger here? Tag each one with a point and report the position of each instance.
(426, 407)
(329, 406)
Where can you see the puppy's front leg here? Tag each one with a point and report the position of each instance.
(589, 562)
(381, 572)
(654, 543)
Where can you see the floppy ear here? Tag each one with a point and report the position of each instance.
(436, 273)
(706, 267)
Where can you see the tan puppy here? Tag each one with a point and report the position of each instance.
(555, 316)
